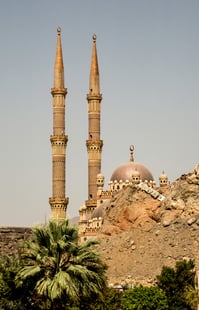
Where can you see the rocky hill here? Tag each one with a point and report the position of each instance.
(142, 233)
(143, 230)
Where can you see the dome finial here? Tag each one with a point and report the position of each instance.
(94, 38)
(58, 30)
(131, 152)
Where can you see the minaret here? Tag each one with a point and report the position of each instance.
(58, 201)
(94, 144)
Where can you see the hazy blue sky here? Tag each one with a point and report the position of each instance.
(148, 52)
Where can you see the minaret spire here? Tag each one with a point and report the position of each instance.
(94, 84)
(94, 143)
(59, 65)
(58, 201)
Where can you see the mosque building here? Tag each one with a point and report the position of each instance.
(130, 173)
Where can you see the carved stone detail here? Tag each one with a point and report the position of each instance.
(94, 146)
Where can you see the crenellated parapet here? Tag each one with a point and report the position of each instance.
(106, 194)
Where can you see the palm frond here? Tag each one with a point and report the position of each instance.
(63, 283)
(59, 267)
(28, 271)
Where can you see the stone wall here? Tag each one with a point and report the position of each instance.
(11, 238)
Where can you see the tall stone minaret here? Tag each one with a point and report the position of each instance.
(94, 144)
(58, 201)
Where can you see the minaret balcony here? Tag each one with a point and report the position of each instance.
(92, 96)
(59, 91)
(58, 202)
(94, 145)
(58, 139)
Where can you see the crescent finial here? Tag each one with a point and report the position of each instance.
(59, 30)
(94, 37)
(131, 152)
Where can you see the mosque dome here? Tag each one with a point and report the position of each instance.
(98, 212)
(125, 171)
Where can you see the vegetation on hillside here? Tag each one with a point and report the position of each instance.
(53, 271)
(150, 298)
(179, 285)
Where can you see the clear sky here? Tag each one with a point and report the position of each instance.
(148, 52)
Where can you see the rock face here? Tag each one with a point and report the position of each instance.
(11, 238)
(140, 234)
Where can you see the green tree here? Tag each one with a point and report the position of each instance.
(63, 272)
(191, 297)
(8, 290)
(13, 296)
(176, 283)
(144, 298)
(111, 299)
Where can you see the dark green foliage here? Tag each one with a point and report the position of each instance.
(176, 282)
(12, 296)
(110, 299)
(52, 271)
(62, 271)
(144, 298)
(8, 290)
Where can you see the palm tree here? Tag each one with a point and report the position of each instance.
(61, 269)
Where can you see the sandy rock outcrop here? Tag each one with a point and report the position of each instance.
(140, 234)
